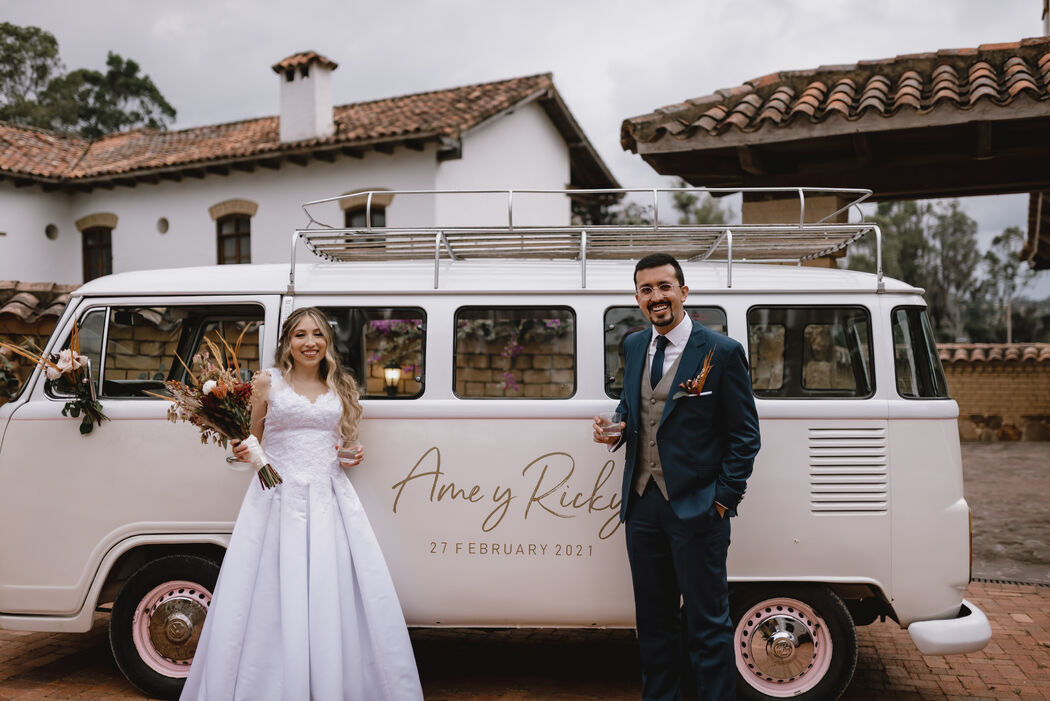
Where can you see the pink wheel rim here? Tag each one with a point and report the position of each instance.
(783, 648)
(167, 624)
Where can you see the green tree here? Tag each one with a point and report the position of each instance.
(1005, 277)
(932, 246)
(28, 62)
(697, 208)
(34, 91)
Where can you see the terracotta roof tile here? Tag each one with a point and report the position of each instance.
(30, 301)
(978, 353)
(303, 58)
(949, 79)
(34, 152)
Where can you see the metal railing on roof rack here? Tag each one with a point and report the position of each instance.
(791, 242)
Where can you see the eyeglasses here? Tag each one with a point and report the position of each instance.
(664, 287)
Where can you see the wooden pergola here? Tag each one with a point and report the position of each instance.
(946, 124)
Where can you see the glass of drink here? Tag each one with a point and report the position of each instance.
(349, 452)
(611, 423)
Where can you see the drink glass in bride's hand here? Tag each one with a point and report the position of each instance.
(611, 424)
(351, 454)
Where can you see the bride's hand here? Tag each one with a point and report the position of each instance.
(350, 455)
(240, 450)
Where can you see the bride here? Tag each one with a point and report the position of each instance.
(304, 607)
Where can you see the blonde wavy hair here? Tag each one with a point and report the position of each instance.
(330, 370)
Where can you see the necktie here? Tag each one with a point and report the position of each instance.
(657, 370)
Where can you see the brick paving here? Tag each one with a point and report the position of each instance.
(512, 665)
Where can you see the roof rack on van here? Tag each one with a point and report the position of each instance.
(588, 237)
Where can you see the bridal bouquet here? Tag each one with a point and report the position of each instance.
(76, 369)
(219, 404)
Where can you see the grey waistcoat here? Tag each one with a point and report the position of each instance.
(647, 462)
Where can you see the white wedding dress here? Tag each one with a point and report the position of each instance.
(304, 608)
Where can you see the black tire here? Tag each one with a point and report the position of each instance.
(792, 641)
(156, 621)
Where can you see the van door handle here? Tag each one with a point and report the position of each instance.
(232, 458)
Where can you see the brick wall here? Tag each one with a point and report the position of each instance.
(15, 331)
(1001, 401)
(540, 370)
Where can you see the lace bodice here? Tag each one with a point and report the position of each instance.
(300, 435)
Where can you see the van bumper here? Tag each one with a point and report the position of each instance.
(969, 631)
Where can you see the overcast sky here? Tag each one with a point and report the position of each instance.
(611, 59)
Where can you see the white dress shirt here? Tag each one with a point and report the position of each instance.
(676, 340)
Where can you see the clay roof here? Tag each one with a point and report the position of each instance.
(34, 155)
(31, 301)
(303, 58)
(952, 80)
(973, 353)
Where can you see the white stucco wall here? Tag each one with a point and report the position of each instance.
(25, 252)
(518, 150)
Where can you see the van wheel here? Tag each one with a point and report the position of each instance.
(157, 619)
(792, 641)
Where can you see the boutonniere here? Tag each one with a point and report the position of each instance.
(694, 387)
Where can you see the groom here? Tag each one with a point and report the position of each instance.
(692, 435)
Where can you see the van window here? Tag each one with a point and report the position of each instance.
(915, 361)
(382, 347)
(810, 352)
(515, 352)
(90, 327)
(144, 345)
(621, 322)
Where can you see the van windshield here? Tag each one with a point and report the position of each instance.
(915, 361)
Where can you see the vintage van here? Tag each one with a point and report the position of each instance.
(483, 353)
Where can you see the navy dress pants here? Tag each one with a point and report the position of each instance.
(672, 561)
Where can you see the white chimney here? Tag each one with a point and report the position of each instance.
(306, 96)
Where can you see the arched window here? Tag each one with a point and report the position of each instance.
(97, 252)
(356, 207)
(96, 231)
(234, 233)
(233, 230)
(355, 218)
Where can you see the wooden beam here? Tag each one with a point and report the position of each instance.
(414, 144)
(862, 147)
(103, 184)
(384, 148)
(271, 163)
(169, 175)
(326, 156)
(125, 182)
(194, 173)
(152, 179)
(23, 182)
(298, 159)
(244, 166)
(218, 170)
(984, 140)
(52, 187)
(751, 160)
(352, 152)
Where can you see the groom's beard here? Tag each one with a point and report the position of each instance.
(661, 319)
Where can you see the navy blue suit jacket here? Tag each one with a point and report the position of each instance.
(707, 443)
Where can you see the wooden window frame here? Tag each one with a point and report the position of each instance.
(238, 235)
(97, 256)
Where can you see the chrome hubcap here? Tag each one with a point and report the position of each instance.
(175, 626)
(782, 647)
